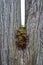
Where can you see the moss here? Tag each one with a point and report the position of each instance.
(22, 36)
(22, 30)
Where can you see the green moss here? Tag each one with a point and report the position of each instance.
(20, 38)
(22, 31)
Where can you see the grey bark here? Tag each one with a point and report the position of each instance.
(10, 21)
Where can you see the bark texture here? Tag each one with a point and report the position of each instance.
(10, 21)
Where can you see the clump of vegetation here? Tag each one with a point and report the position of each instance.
(21, 37)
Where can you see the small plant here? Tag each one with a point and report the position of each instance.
(21, 37)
